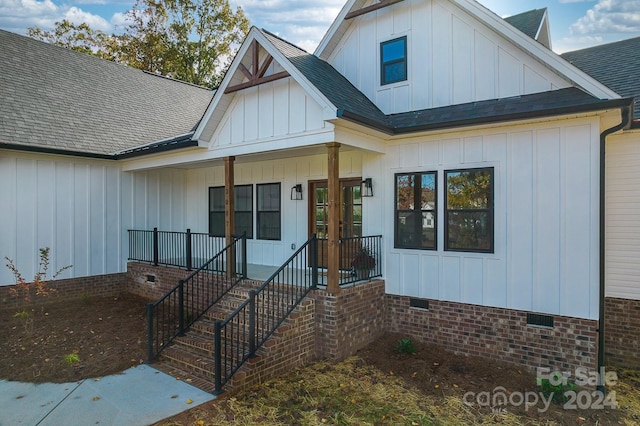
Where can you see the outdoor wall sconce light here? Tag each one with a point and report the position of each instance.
(296, 192)
(367, 188)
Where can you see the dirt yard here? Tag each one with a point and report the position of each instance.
(96, 337)
(381, 386)
(69, 341)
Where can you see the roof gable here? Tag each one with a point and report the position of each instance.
(534, 23)
(58, 99)
(337, 89)
(537, 51)
(327, 87)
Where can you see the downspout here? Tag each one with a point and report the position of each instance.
(626, 118)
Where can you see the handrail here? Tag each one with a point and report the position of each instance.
(360, 258)
(187, 301)
(172, 248)
(239, 335)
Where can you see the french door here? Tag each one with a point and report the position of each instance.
(350, 215)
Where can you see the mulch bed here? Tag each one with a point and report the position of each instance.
(69, 341)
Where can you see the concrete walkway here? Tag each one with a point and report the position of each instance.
(140, 395)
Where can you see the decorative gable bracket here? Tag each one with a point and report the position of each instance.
(255, 76)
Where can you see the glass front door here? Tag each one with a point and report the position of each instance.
(350, 214)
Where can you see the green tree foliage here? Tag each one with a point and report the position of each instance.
(81, 38)
(189, 40)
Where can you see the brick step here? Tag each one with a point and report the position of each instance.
(230, 303)
(205, 327)
(191, 378)
(195, 343)
(196, 364)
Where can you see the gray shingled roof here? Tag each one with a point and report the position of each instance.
(528, 22)
(355, 106)
(340, 92)
(57, 99)
(616, 65)
(544, 104)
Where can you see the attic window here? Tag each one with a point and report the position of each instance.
(393, 61)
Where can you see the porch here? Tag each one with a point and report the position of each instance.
(214, 319)
(360, 257)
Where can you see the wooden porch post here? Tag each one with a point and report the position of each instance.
(229, 212)
(333, 184)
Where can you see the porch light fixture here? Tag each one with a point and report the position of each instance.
(296, 192)
(367, 188)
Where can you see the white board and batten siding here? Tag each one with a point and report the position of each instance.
(452, 59)
(72, 206)
(546, 219)
(184, 200)
(622, 225)
(276, 115)
(83, 209)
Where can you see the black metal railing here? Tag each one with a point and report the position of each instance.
(239, 336)
(170, 248)
(185, 303)
(360, 258)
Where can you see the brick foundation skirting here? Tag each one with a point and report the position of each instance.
(163, 279)
(337, 326)
(64, 290)
(350, 320)
(497, 333)
(291, 346)
(622, 332)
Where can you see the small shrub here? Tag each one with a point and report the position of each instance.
(29, 290)
(405, 346)
(38, 287)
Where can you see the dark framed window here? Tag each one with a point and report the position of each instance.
(469, 210)
(393, 61)
(415, 210)
(269, 222)
(243, 210)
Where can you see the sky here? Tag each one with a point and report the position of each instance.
(575, 24)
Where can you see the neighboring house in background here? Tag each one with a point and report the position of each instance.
(472, 112)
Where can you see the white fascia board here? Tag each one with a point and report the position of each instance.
(542, 21)
(537, 51)
(357, 139)
(195, 155)
(334, 27)
(164, 159)
(312, 90)
(223, 85)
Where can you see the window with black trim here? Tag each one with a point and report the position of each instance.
(243, 210)
(415, 210)
(393, 61)
(269, 223)
(469, 210)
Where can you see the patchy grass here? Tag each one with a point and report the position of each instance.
(355, 392)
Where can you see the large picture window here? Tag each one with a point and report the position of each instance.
(469, 210)
(243, 210)
(269, 223)
(393, 61)
(415, 210)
